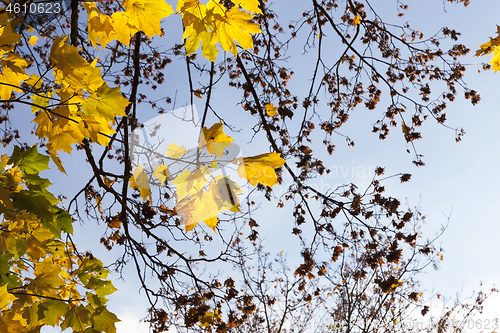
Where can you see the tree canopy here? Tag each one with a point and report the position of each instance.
(99, 78)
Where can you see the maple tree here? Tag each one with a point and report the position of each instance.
(87, 74)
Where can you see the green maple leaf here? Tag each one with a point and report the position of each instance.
(29, 161)
(101, 287)
(52, 311)
(63, 221)
(77, 318)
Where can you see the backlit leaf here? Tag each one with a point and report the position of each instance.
(271, 110)
(175, 151)
(260, 169)
(104, 320)
(215, 140)
(5, 297)
(146, 15)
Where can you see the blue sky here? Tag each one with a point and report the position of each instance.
(459, 181)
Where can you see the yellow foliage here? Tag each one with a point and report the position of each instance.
(5, 297)
(214, 140)
(260, 169)
(71, 69)
(213, 23)
(161, 172)
(175, 151)
(140, 180)
(146, 15)
(491, 46)
(196, 208)
(271, 110)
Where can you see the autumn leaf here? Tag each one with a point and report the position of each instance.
(71, 69)
(10, 81)
(5, 297)
(225, 192)
(213, 23)
(99, 25)
(8, 37)
(14, 62)
(140, 180)
(271, 110)
(495, 60)
(406, 132)
(33, 40)
(96, 128)
(55, 158)
(196, 208)
(104, 320)
(189, 183)
(108, 182)
(233, 28)
(77, 317)
(489, 46)
(175, 151)
(35, 82)
(357, 20)
(106, 103)
(146, 15)
(214, 140)
(115, 223)
(252, 6)
(161, 172)
(261, 169)
(197, 93)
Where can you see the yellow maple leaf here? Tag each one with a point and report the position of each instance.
(271, 110)
(252, 6)
(71, 69)
(122, 30)
(213, 23)
(63, 138)
(225, 192)
(146, 15)
(8, 37)
(139, 180)
(10, 81)
(106, 102)
(34, 81)
(161, 172)
(15, 62)
(214, 140)
(55, 158)
(175, 151)
(234, 27)
(58, 129)
(5, 297)
(33, 40)
(495, 60)
(261, 169)
(196, 208)
(193, 41)
(99, 25)
(188, 183)
(47, 279)
(489, 46)
(97, 129)
(198, 24)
